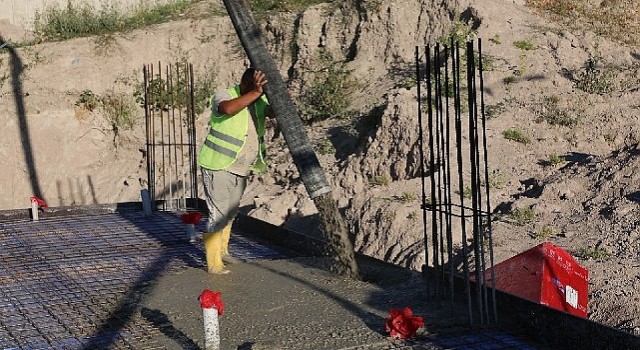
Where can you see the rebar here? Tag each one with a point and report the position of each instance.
(169, 114)
(444, 101)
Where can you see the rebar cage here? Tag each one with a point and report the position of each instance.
(457, 233)
(171, 134)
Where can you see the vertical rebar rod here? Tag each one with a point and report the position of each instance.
(194, 165)
(474, 176)
(448, 174)
(458, 127)
(182, 124)
(162, 141)
(169, 87)
(147, 115)
(422, 171)
(486, 179)
(432, 169)
(153, 138)
(439, 156)
(175, 90)
(479, 195)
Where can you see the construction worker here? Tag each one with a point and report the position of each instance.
(233, 149)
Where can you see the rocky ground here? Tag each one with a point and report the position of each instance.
(575, 179)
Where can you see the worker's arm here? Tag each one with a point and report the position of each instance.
(253, 92)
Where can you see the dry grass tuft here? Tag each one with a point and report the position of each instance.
(616, 19)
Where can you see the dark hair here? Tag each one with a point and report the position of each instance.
(247, 76)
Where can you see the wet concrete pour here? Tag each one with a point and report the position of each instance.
(126, 281)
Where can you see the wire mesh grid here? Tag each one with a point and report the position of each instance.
(62, 279)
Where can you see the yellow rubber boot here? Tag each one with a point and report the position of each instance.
(226, 235)
(213, 250)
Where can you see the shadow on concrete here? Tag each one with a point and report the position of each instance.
(159, 320)
(108, 331)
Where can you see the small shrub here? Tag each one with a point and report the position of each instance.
(88, 100)
(496, 180)
(496, 39)
(553, 160)
(554, 115)
(544, 233)
(163, 96)
(331, 94)
(509, 80)
(517, 136)
(325, 147)
(467, 192)
(593, 253)
(409, 82)
(460, 33)
(82, 19)
(524, 45)
(596, 80)
(379, 180)
(492, 111)
(523, 216)
(120, 110)
(407, 197)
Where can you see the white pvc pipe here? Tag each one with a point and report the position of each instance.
(34, 210)
(211, 329)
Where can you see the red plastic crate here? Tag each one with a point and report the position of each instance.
(545, 274)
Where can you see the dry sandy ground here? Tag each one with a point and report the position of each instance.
(589, 200)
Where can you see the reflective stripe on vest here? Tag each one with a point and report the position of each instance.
(226, 138)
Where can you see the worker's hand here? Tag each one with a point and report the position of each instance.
(259, 80)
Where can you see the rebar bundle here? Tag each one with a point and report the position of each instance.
(458, 173)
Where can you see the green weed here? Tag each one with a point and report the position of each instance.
(524, 45)
(88, 100)
(331, 92)
(163, 96)
(522, 66)
(325, 147)
(379, 180)
(509, 80)
(517, 136)
(553, 114)
(496, 180)
(522, 216)
(407, 197)
(120, 111)
(593, 253)
(492, 111)
(459, 33)
(467, 192)
(554, 160)
(594, 79)
(79, 19)
(544, 233)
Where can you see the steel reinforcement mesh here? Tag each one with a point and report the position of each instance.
(65, 282)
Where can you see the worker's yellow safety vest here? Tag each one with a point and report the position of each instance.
(227, 135)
